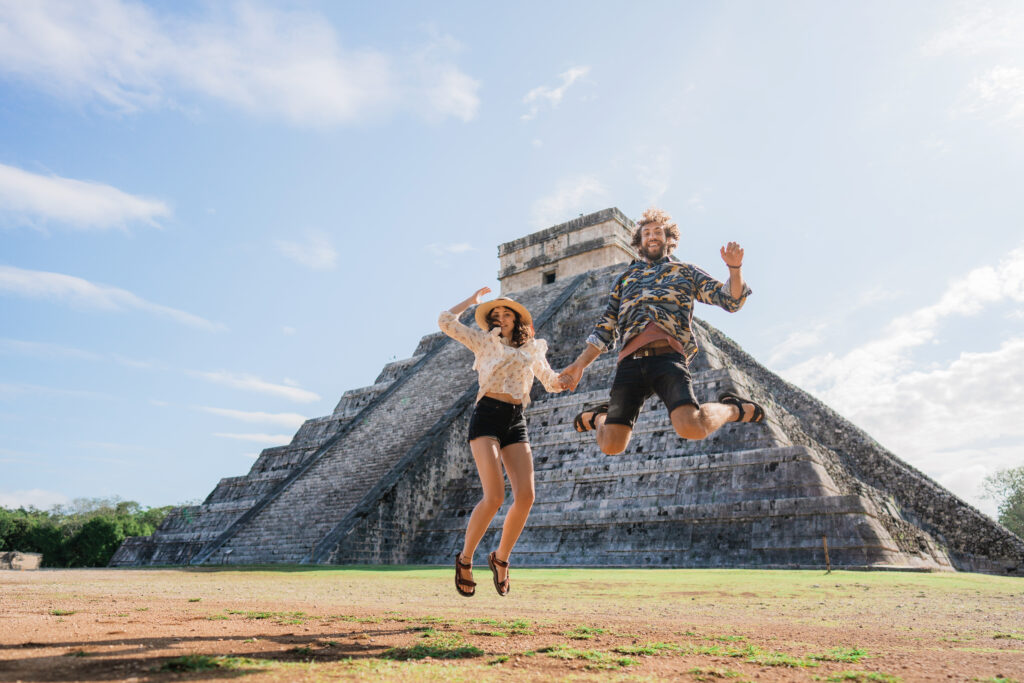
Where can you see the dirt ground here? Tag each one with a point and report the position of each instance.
(407, 623)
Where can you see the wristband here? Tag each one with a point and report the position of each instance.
(739, 266)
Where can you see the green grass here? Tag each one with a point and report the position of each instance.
(187, 663)
(217, 617)
(583, 633)
(648, 649)
(500, 659)
(515, 627)
(752, 654)
(440, 646)
(863, 676)
(840, 654)
(194, 599)
(62, 612)
(596, 659)
(701, 674)
(1009, 636)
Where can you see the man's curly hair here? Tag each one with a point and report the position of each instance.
(654, 215)
(521, 331)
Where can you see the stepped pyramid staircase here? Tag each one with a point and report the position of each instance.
(388, 476)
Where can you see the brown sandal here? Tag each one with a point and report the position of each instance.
(734, 400)
(583, 425)
(493, 562)
(460, 582)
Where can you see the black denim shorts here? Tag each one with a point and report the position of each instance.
(502, 421)
(637, 378)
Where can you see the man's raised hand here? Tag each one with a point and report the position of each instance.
(732, 254)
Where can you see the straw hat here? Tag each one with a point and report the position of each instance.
(486, 307)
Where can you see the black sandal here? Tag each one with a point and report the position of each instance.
(493, 562)
(460, 582)
(734, 400)
(582, 425)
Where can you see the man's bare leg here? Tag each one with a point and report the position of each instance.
(691, 422)
(612, 439)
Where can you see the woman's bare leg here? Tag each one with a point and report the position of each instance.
(488, 465)
(518, 460)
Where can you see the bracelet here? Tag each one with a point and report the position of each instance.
(739, 266)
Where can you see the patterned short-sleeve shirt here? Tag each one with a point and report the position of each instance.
(660, 292)
(503, 368)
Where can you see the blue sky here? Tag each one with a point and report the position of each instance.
(215, 218)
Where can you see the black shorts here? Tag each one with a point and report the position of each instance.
(637, 378)
(497, 419)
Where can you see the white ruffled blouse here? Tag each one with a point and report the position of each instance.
(503, 369)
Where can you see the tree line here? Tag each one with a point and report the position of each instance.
(84, 533)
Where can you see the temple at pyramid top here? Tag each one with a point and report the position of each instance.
(562, 251)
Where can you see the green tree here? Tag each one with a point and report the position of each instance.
(1006, 487)
(83, 533)
(95, 543)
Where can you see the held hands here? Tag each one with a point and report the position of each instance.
(570, 377)
(732, 254)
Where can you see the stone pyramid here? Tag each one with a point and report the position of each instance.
(388, 476)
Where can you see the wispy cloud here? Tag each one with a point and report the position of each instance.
(257, 385)
(77, 292)
(293, 420)
(986, 37)
(21, 389)
(572, 196)
(49, 350)
(40, 499)
(924, 415)
(443, 253)
(653, 172)
(445, 89)
(274, 439)
(33, 199)
(282, 63)
(316, 253)
(45, 350)
(552, 97)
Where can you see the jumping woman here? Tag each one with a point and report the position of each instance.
(508, 357)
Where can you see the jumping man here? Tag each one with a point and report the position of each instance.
(650, 308)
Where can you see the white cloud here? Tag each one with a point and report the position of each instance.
(12, 390)
(37, 498)
(285, 419)
(257, 385)
(444, 249)
(552, 96)
(572, 196)
(654, 174)
(37, 284)
(696, 202)
(986, 37)
(282, 63)
(274, 439)
(797, 342)
(978, 29)
(957, 420)
(443, 252)
(45, 350)
(317, 253)
(1000, 93)
(34, 199)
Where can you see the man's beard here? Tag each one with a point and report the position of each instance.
(653, 253)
